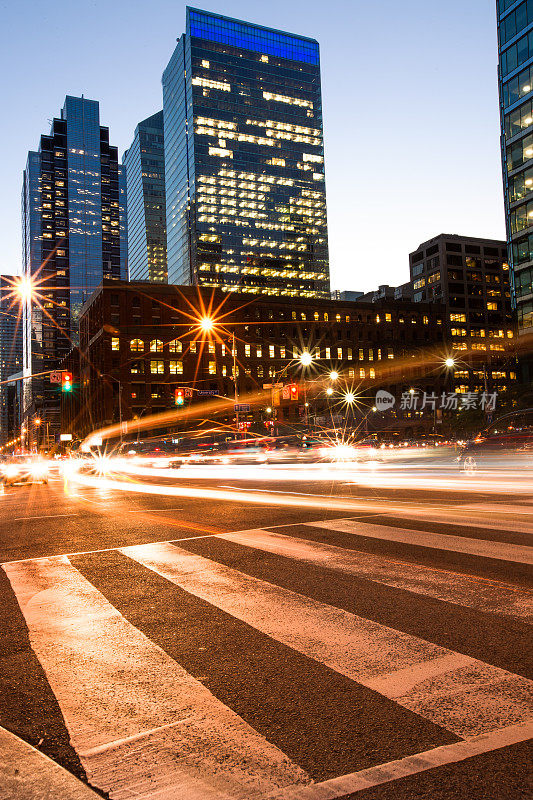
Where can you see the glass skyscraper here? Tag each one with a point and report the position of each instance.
(515, 73)
(73, 213)
(244, 160)
(145, 181)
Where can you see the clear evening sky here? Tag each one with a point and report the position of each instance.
(409, 97)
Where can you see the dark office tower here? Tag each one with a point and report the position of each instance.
(145, 181)
(10, 353)
(244, 160)
(515, 39)
(72, 213)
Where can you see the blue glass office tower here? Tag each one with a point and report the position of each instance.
(73, 211)
(244, 160)
(144, 163)
(515, 73)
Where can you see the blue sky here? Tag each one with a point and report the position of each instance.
(409, 96)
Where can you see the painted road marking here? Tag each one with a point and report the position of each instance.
(46, 516)
(410, 765)
(502, 551)
(489, 596)
(444, 686)
(130, 708)
(28, 773)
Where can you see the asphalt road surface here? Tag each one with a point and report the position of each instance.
(224, 636)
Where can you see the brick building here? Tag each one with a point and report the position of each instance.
(139, 342)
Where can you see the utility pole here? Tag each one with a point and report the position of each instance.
(234, 354)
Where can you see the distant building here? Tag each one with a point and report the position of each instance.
(73, 237)
(337, 294)
(244, 160)
(154, 346)
(515, 79)
(10, 354)
(470, 276)
(145, 181)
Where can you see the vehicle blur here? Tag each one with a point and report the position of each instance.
(507, 442)
(24, 469)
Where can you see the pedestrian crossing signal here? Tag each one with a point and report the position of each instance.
(179, 396)
(66, 382)
(293, 391)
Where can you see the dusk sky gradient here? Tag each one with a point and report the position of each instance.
(410, 102)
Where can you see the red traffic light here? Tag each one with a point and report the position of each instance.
(66, 381)
(293, 391)
(179, 396)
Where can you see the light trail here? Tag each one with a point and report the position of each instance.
(281, 499)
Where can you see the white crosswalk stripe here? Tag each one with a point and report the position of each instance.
(146, 729)
(129, 707)
(435, 682)
(521, 554)
(476, 593)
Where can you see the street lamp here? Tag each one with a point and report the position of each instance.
(449, 362)
(349, 398)
(24, 289)
(333, 375)
(306, 359)
(206, 324)
(329, 391)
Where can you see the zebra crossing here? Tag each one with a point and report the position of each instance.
(262, 664)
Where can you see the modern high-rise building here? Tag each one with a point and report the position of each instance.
(244, 160)
(470, 276)
(144, 162)
(73, 209)
(515, 73)
(10, 353)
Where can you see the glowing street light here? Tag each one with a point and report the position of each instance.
(329, 391)
(449, 362)
(412, 391)
(268, 410)
(206, 324)
(24, 289)
(37, 421)
(333, 375)
(349, 398)
(306, 359)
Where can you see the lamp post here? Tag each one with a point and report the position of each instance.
(107, 375)
(306, 359)
(37, 423)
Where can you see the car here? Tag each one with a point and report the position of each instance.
(506, 443)
(24, 469)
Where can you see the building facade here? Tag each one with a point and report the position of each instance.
(244, 160)
(141, 342)
(10, 357)
(470, 276)
(144, 164)
(515, 74)
(73, 211)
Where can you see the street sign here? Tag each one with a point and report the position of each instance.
(188, 392)
(207, 392)
(65, 437)
(55, 377)
(286, 392)
(244, 407)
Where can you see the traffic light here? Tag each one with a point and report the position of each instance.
(179, 396)
(66, 381)
(293, 391)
